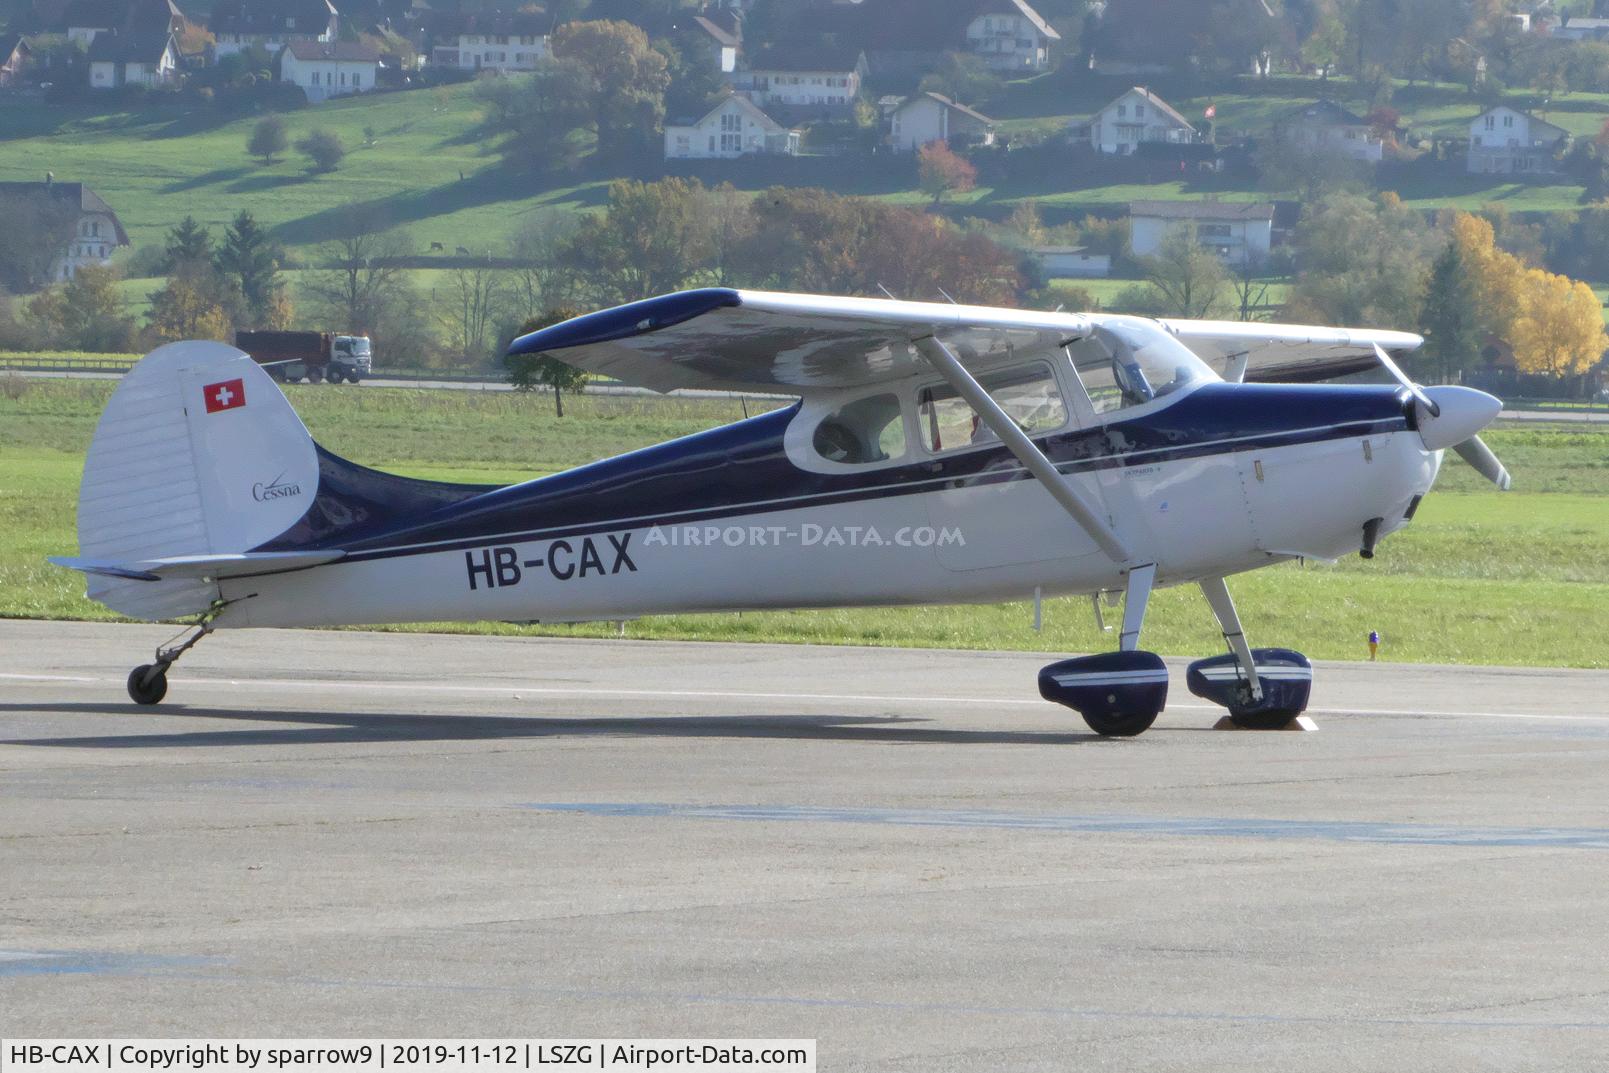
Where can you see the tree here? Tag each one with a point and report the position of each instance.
(1189, 278)
(362, 277)
(652, 237)
(37, 231)
(184, 309)
(323, 149)
(1560, 328)
(468, 307)
(541, 115)
(1450, 319)
(961, 76)
(528, 371)
(267, 139)
(694, 83)
(188, 245)
(624, 82)
(250, 261)
(542, 277)
(1249, 286)
(1364, 262)
(85, 313)
(940, 171)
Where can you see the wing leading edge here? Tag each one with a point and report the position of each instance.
(741, 340)
(763, 340)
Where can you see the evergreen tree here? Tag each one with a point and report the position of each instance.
(249, 259)
(189, 246)
(1450, 318)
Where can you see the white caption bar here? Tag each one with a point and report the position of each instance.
(405, 1056)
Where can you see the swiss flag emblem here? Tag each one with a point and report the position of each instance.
(225, 396)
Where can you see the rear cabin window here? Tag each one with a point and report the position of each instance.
(862, 432)
(1027, 394)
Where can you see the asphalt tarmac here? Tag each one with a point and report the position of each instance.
(904, 854)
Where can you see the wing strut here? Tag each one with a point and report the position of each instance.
(1031, 457)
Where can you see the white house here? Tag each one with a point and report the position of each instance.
(1075, 261)
(725, 38)
(271, 24)
(821, 79)
(1135, 117)
(491, 42)
(733, 128)
(931, 117)
(117, 60)
(1238, 232)
(1327, 127)
(329, 70)
(1507, 141)
(97, 232)
(1011, 36)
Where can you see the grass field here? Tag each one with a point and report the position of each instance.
(1479, 577)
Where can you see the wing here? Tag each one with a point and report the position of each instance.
(742, 340)
(1286, 353)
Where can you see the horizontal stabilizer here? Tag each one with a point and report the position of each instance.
(242, 564)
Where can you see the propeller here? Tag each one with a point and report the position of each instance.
(1477, 454)
(1450, 417)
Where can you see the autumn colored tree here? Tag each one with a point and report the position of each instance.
(1560, 328)
(85, 313)
(185, 309)
(940, 171)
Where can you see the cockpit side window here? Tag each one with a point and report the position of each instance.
(1028, 394)
(861, 432)
(1123, 365)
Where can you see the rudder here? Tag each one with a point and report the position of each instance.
(198, 452)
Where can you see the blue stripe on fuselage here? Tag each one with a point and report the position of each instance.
(742, 468)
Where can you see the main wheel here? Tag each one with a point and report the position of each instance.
(315, 376)
(142, 691)
(333, 376)
(1120, 726)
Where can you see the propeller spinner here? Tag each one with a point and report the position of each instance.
(1450, 416)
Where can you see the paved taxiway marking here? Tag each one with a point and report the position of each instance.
(1357, 831)
(727, 694)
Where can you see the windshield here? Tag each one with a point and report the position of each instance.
(358, 347)
(1132, 362)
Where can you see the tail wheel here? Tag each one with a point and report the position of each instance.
(147, 688)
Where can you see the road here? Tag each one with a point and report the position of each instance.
(905, 854)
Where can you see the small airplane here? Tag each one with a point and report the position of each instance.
(937, 453)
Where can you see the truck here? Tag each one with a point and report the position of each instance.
(318, 356)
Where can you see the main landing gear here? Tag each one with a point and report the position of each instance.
(1120, 693)
(148, 683)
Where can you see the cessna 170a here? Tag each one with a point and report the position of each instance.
(937, 454)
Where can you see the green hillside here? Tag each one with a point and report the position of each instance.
(154, 166)
(430, 170)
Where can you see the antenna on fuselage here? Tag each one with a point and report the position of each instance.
(887, 292)
(947, 297)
